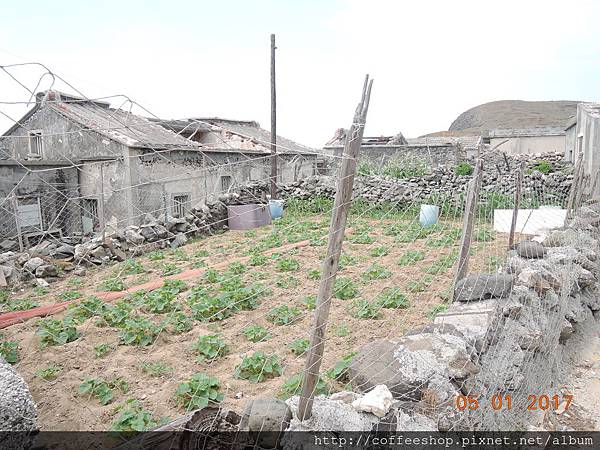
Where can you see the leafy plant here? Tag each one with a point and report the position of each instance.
(237, 268)
(212, 276)
(286, 282)
(376, 272)
(419, 285)
(210, 347)
(442, 307)
(156, 368)
(179, 323)
(342, 330)
(160, 301)
(258, 367)
(102, 389)
(293, 386)
(113, 284)
(410, 257)
(23, 304)
(379, 251)
(339, 371)
(484, 235)
(202, 253)
(133, 267)
(287, 265)
(101, 350)
(392, 298)
(314, 274)
(256, 333)
(57, 332)
(363, 309)
(442, 264)
(48, 373)
(361, 238)
(9, 350)
(198, 392)
(258, 260)
(310, 302)
(67, 296)
(169, 268)
(4, 296)
(344, 289)
(283, 315)
(542, 166)
(86, 308)
(442, 241)
(138, 331)
(212, 308)
(156, 255)
(116, 314)
(180, 255)
(463, 168)
(346, 260)
(299, 346)
(133, 417)
(174, 286)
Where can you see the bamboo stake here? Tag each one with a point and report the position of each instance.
(513, 224)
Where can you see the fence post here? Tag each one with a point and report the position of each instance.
(102, 204)
(513, 224)
(18, 222)
(467, 229)
(343, 198)
(574, 183)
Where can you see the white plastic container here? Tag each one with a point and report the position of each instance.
(429, 215)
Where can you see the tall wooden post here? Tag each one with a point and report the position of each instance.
(343, 198)
(574, 186)
(102, 205)
(273, 123)
(513, 223)
(18, 222)
(467, 229)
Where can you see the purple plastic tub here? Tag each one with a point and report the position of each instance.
(246, 217)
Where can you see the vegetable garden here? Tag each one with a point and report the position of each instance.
(236, 331)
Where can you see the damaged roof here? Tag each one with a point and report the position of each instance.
(428, 141)
(252, 130)
(121, 126)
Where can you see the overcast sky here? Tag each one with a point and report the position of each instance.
(431, 60)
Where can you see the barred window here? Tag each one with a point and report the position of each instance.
(180, 204)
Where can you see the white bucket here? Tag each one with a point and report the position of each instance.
(429, 215)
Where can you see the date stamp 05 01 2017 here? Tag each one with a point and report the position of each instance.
(505, 402)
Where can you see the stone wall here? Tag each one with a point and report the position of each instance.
(504, 335)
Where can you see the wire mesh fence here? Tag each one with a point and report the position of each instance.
(225, 318)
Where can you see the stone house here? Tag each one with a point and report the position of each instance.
(74, 165)
(435, 151)
(528, 141)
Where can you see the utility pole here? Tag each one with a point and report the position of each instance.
(273, 123)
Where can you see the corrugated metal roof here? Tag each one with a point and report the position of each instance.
(527, 132)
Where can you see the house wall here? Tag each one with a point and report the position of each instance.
(588, 141)
(62, 139)
(570, 140)
(529, 145)
(57, 191)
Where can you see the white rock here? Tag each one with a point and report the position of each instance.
(377, 401)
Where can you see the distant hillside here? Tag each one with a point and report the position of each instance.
(514, 114)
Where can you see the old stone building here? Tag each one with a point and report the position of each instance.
(528, 141)
(435, 151)
(583, 138)
(75, 165)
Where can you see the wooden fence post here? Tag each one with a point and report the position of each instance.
(574, 186)
(343, 198)
(467, 229)
(513, 223)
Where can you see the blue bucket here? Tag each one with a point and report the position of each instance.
(276, 208)
(429, 215)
